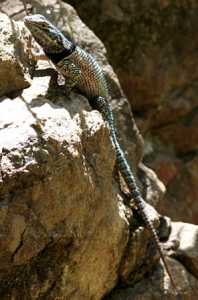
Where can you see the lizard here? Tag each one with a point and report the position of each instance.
(81, 70)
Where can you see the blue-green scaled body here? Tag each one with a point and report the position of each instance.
(81, 70)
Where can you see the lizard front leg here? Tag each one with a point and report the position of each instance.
(71, 72)
(39, 55)
(33, 54)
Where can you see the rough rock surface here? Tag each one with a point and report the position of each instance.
(60, 218)
(62, 225)
(157, 284)
(65, 230)
(153, 48)
(12, 76)
(187, 252)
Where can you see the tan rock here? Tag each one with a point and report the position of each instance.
(187, 252)
(63, 227)
(75, 235)
(54, 197)
(12, 76)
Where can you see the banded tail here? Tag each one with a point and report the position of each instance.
(103, 106)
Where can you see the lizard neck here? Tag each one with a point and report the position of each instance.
(56, 57)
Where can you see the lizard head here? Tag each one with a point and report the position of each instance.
(47, 35)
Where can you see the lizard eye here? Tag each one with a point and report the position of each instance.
(42, 25)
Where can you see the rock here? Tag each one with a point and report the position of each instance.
(174, 134)
(155, 58)
(152, 46)
(167, 168)
(12, 74)
(64, 225)
(183, 267)
(157, 286)
(140, 254)
(154, 188)
(66, 231)
(128, 133)
(182, 186)
(57, 202)
(12, 9)
(187, 252)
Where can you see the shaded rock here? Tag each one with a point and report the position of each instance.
(151, 47)
(180, 178)
(154, 188)
(167, 168)
(157, 286)
(183, 268)
(182, 186)
(173, 134)
(140, 254)
(172, 110)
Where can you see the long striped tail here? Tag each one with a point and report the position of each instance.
(103, 106)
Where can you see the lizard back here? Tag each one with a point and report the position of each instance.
(91, 81)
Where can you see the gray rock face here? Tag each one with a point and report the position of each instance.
(65, 229)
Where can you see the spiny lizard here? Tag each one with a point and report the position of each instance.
(81, 70)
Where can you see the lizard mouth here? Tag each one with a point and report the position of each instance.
(28, 20)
